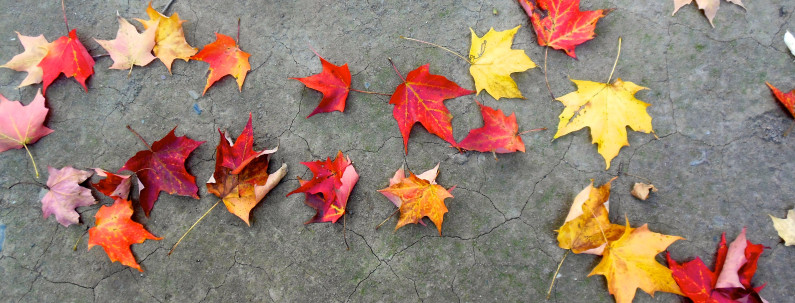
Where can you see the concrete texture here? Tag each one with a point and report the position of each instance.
(720, 162)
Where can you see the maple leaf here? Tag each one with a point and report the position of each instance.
(628, 264)
(241, 176)
(21, 125)
(225, 58)
(161, 167)
(587, 229)
(114, 186)
(170, 41)
(565, 26)
(493, 62)
(28, 61)
(68, 56)
(420, 98)
(695, 280)
(786, 99)
(334, 82)
(785, 227)
(607, 109)
(115, 231)
(710, 7)
(418, 197)
(66, 194)
(330, 187)
(740, 265)
(130, 48)
(499, 134)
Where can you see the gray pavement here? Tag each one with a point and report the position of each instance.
(720, 162)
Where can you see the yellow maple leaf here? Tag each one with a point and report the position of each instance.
(628, 264)
(28, 61)
(493, 61)
(587, 228)
(170, 41)
(418, 197)
(607, 109)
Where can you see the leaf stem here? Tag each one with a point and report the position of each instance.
(63, 9)
(555, 276)
(532, 130)
(344, 229)
(192, 226)
(32, 160)
(387, 219)
(369, 92)
(238, 32)
(615, 63)
(396, 70)
(139, 137)
(545, 74)
(439, 46)
(74, 248)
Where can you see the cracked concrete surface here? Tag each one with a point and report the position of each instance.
(721, 161)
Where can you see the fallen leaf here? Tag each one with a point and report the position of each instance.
(68, 56)
(710, 7)
(130, 48)
(628, 264)
(334, 82)
(607, 109)
(789, 40)
(420, 98)
(786, 99)
(785, 227)
(241, 176)
(115, 231)
(28, 61)
(642, 190)
(21, 125)
(330, 187)
(65, 194)
(114, 186)
(418, 198)
(740, 265)
(225, 58)
(161, 167)
(493, 62)
(170, 41)
(499, 134)
(560, 24)
(587, 229)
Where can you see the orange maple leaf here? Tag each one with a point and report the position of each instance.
(418, 197)
(115, 231)
(225, 58)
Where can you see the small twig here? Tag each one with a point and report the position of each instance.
(63, 9)
(29, 183)
(139, 137)
(439, 46)
(238, 32)
(369, 92)
(555, 276)
(532, 130)
(387, 219)
(545, 74)
(74, 248)
(192, 226)
(616, 62)
(396, 69)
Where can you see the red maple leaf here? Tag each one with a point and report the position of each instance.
(225, 58)
(420, 98)
(564, 26)
(701, 285)
(788, 99)
(114, 186)
(68, 56)
(329, 188)
(115, 231)
(334, 82)
(499, 134)
(161, 167)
